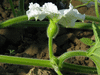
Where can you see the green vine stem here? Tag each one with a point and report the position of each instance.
(45, 24)
(78, 68)
(31, 24)
(24, 19)
(12, 7)
(92, 18)
(46, 63)
(24, 61)
(96, 8)
(70, 54)
(50, 48)
(52, 30)
(13, 21)
(82, 5)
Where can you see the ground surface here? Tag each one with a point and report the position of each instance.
(32, 42)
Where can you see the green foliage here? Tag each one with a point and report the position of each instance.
(20, 10)
(96, 59)
(94, 52)
(11, 52)
(52, 31)
(87, 41)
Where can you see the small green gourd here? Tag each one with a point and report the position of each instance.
(52, 29)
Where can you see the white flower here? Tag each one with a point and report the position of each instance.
(65, 17)
(50, 8)
(70, 16)
(34, 10)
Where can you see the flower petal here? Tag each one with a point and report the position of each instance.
(66, 17)
(34, 10)
(70, 16)
(50, 8)
(33, 6)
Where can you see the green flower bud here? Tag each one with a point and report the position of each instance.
(52, 29)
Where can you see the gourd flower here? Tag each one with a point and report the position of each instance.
(65, 17)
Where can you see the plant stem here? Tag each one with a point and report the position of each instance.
(59, 73)
(82, 25)
(45, 24)
(92, 18)
(12, 7)
(50, 48)
(82, 5)
(45, 63)
(24, 61)
(13, 21)
(21, 7)
(96, 59)
(96, 8)
(70, 54)
(31, 24)
(24, 18)
(78, 68)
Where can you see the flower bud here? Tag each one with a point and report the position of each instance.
(52, 29)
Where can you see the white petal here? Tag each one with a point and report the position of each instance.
(70, 6)
(77, 15)
(42, 16)
(66, 17)
(68, 10)
(50, 8)
(33, 6)
(34, 10)
(33, 13)
(70, 16)
(67, 22)
(62, 11)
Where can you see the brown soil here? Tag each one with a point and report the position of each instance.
(32, 42)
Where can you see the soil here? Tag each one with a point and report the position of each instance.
(32, 42)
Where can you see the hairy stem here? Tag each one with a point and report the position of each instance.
(70, 54)
(96, 8)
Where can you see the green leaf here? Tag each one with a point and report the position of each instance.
(97, 52)
(94, 52)
(96, 30)
(87, 41)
